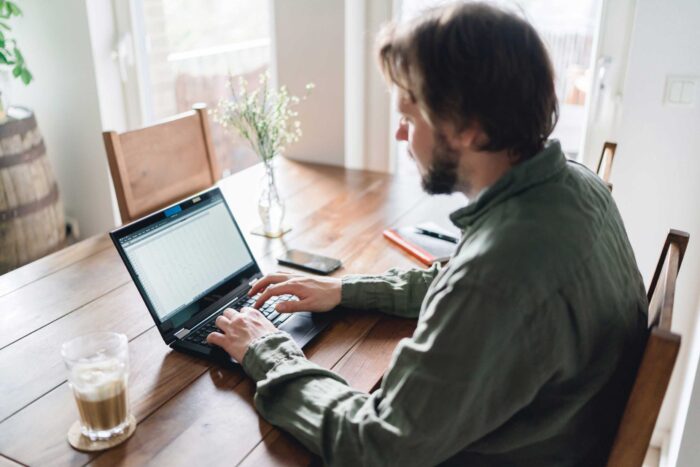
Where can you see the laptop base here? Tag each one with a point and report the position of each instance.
(302, 327)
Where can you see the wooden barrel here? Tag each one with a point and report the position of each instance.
(31, 213)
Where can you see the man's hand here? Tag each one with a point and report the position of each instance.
(314, 293)
(239, 329)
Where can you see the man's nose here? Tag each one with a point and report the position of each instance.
(402, 132)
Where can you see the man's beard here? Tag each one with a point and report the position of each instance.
(442, 172)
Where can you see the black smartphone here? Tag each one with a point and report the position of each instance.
(309, 261)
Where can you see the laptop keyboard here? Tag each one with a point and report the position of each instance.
(199, 335)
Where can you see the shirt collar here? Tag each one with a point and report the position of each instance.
(541, 167)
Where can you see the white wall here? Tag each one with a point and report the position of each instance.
(657, 180)
(346, 121)
(368, 134)
(309, 38)
(377, 117)
(55, 38)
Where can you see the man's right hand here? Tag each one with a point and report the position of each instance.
(314, 293)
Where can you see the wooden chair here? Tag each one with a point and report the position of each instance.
(155, 166)
(605, 162)
(643, 406)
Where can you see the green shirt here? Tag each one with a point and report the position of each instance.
(524, 350)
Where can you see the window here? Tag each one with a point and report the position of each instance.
(191, 49)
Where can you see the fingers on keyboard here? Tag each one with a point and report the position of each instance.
(199, 336)
(268, 309)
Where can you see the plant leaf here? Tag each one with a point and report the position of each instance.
(26, 76)
(3, 58)
(14, 8)
(17, 70)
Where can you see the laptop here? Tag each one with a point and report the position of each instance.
(190, 262)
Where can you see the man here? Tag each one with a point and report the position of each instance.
(528, 339)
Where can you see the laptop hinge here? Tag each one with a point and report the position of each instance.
(182, 333)
(255, 279)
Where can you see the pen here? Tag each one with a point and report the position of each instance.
(431, 233)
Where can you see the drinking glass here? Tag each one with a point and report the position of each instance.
(98, 372)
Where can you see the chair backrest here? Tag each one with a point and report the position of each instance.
(647, 395)
(155, 166)
(605, 162)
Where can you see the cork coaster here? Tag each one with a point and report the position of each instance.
(83, 443)
(259, 231)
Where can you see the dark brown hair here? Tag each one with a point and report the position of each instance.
(472, 62)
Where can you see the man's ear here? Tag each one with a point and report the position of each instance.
(468, 138)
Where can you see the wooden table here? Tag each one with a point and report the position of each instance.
(191, 412)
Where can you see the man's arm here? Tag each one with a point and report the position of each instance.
(452, 383)
(396, 292)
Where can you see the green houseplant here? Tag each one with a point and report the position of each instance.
(266, 119)
(32, 219)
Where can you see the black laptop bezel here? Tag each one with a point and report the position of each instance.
(214, 299)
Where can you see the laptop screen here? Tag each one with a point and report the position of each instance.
(183, 255)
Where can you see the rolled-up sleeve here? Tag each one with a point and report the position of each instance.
(465, 371)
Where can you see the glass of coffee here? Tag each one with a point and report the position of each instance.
(98, 371)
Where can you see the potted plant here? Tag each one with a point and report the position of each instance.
(266, 119)
(31, 221)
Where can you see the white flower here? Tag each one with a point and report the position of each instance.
(262, 117)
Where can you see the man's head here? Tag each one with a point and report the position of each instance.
(474, 77)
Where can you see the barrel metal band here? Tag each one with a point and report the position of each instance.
(23, 157)
(32, 207)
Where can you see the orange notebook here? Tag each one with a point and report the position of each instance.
(427, 250)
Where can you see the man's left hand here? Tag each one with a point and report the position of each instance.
(239, 329)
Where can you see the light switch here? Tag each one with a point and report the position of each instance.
(688, 93)
(681, 90)
(674, 94)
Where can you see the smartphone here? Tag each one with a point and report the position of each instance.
(309, 261)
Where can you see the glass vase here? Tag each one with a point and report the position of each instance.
(270, 205)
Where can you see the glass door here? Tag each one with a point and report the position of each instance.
(175, 53)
